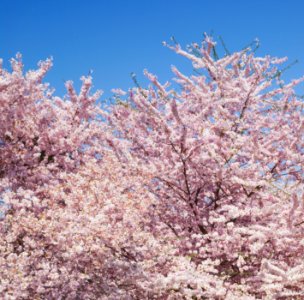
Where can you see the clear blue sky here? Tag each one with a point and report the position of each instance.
(115, 38)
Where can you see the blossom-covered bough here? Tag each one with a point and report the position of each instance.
(187, 193)
(42, 134)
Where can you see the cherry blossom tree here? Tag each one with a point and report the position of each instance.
(71, 228)
(191, 192)
(225, 151)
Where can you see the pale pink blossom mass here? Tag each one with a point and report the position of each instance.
(192, 192)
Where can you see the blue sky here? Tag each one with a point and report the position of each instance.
(115, 38)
